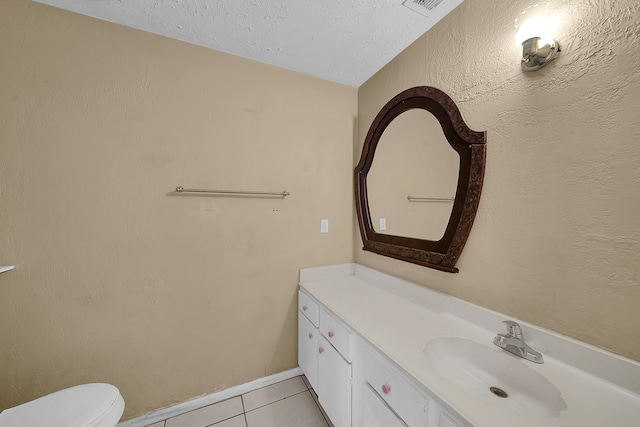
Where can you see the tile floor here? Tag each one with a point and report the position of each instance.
(290, 403)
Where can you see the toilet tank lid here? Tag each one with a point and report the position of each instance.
(83, 405)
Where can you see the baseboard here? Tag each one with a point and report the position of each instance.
(200, 402)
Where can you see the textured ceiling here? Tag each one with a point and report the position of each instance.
(346, 41)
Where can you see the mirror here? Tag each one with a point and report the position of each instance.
(414, 151)
(417, 201)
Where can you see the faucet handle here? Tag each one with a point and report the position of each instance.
(513, 328)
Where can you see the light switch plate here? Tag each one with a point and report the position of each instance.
(324, 225)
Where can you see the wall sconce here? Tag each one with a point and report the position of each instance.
(536, 26)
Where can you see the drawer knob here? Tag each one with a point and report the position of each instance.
(386, 388)
(321, 350)
(305, 308)
(330, 334)
(310, 335)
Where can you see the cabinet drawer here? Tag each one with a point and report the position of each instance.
(336, 333)
(404, 399)
(309, 308)
(376, 412)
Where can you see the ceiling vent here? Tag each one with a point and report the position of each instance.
(432, 8)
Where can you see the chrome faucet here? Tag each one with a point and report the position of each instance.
(513, 342)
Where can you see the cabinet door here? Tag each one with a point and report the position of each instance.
(334, 384)
(377, 413)
(308, 350)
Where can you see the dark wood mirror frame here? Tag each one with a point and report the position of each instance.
(471, 147)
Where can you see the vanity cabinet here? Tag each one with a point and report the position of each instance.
(381, 330)
(356, 384)
(324, 355)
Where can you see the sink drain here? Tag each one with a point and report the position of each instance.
(499, 392)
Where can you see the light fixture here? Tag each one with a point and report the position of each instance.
(536, 25)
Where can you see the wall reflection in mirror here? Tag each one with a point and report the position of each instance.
(414, 176)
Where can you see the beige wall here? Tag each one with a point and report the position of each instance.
(166, 297)
(556, 241)
(173, 297)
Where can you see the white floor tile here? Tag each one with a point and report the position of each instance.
(273, 393)
(208, 415)
(296, 411)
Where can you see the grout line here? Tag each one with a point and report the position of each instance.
(279, 400)
(198, 409)
(226, 419)
(279, 382)
(244, 411)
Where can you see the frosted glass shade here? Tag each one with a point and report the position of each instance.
(536, 21)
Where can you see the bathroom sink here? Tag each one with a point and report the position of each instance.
(493, 375)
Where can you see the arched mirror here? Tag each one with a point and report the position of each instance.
(419, 180)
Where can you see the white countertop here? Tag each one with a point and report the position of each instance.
(399, 317)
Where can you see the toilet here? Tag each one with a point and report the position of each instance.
(87, 405)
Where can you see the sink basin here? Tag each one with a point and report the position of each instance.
(493, 375)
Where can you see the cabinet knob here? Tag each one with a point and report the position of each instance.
(310, 335)
(330, 334)
(321, 350)
(386, 388)
(305, 308)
